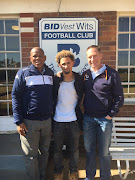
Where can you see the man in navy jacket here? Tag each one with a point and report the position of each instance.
(32, 107)
(102, 100)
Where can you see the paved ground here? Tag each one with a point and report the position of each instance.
(10, 145)
(82, 174)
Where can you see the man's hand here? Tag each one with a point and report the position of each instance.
(108, 117)
(21, 128)
(59, 74)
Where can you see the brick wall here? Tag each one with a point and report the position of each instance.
(107, 39)
(107, 33)
(27, 38)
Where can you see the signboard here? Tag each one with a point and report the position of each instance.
(73, 34)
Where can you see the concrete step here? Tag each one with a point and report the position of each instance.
(10, 144)
(12, 167)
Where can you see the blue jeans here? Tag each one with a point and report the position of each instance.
(60, 130)
(97, 129)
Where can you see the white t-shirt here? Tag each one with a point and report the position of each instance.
(67, 100)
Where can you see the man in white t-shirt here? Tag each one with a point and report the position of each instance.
(68, 93)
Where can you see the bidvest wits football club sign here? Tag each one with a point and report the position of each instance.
(73, 34)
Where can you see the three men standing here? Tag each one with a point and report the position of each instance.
(32, 108)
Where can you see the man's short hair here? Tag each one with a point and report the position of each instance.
(94, 46)
(62, 54)
(37, 48)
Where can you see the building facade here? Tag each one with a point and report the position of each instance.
(19, 33)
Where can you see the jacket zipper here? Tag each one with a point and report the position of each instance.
(43, 78)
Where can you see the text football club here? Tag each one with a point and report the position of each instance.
(73, 34)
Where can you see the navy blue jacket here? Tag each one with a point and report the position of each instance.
(103, 95)
(32, 94)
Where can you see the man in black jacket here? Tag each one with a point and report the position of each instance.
(68, 93)
(103, 98)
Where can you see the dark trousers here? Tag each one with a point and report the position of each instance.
(60, 130)
(35, 146)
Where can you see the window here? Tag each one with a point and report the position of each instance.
(9, 61)
(126, 54)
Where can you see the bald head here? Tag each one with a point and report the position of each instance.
(36, 49)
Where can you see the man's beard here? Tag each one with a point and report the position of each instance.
(67, 72)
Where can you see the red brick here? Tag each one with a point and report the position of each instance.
(72, 14)
(129, 108)
(113, 57)
(109, 33)
(109, 53)
(106, 57)
(24, 54)
(106, 18)
(27, 34)
(131, 114)
(113, 62)
(26, 14)
(36, 40)
(55, 14)
(101, 23)
(25, 64)
(62, 14)
(100, 33)
(102, 28)
(100, 44)
(82, 14)
(36, 29)
(27, 39)
(110, 13)
(36, 25)
(90, 14)
(33, 44)
(104, 38)
(27, 24)
(25, 60)
(122, 114)
(109, 23)
(108, 48)
(36, 19)
(27, 49)
(110, 28)
(39, 15)
(24, 44)
(109, 43)
(36, 34)
(114, 18)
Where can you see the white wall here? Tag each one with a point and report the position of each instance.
(35, 6)
(7, 125)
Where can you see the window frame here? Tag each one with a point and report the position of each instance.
(6, 84)
(129, 99)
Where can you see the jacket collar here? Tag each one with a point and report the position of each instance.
(33, 68)
(61, 77)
